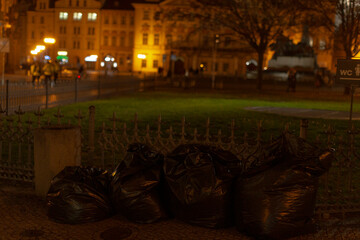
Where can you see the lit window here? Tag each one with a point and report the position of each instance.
(311, 41)
(143, 63)
(156, 39)
(77, 16)
(145, 39)
(63, 15)
(92, 16)
(322, 44)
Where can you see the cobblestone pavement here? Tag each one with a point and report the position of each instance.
(23, 217)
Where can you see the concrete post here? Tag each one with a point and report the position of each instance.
(55, 147)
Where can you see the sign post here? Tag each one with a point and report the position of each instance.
(348, 72)
(4, 48)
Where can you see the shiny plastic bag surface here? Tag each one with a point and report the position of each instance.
(200, 181)
(79, 195)
(275, 198)
(137, 185)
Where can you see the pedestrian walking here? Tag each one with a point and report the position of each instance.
(48, 70)
(57, 69)
(291, 80)
(35, 72)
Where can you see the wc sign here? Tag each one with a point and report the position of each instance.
(348, 71)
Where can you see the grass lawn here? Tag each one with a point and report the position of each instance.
(197, 107)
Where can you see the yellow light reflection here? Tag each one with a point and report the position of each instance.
(49, 40)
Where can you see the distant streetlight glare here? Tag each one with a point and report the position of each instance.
(62, 53)
(40, 47)
(34, 52)
(49, 40)
(141, 56)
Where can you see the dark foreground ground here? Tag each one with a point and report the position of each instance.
(23, 217)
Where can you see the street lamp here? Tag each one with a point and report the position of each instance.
(50, 41)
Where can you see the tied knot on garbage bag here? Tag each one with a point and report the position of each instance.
(137, 185)
(199, 180)
(275, 197)
(79, 195)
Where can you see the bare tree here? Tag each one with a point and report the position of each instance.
(339, 16)
(258, 22)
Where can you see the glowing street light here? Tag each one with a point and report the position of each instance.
(40, 47)
(49, 40)
(62, 53)
(141, 56)
(34, 52)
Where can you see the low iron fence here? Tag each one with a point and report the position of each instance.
(71, 90)
(105, 144)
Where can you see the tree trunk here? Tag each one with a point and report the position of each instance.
(260, 69)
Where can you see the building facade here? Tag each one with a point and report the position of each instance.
(139, 36)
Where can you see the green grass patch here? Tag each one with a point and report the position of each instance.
(221, 109)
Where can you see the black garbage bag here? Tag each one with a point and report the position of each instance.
(137, 185)
(79, 195)
(275, 198)
(200, 181)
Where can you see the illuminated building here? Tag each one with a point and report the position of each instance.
(134, 35)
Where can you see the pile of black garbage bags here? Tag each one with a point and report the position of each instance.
(269, 193)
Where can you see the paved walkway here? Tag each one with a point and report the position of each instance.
(23, 217)
(306, 113)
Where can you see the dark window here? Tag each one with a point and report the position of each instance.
(227, 41)
(225, 67)
(145, 38)
(155, 64)
(70, 3)
(168, 39)
(122, 40)
(146, 15)
(106, 20)
(156, 39)
(77, 3)
(106, 40)
(113, 41)
(84, 3)
(157, 16)
(143, 63)
(32, 35)
(42, 20)
(123, 20)
(131, 20)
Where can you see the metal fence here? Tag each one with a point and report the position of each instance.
(66, 91)
(104, 145)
